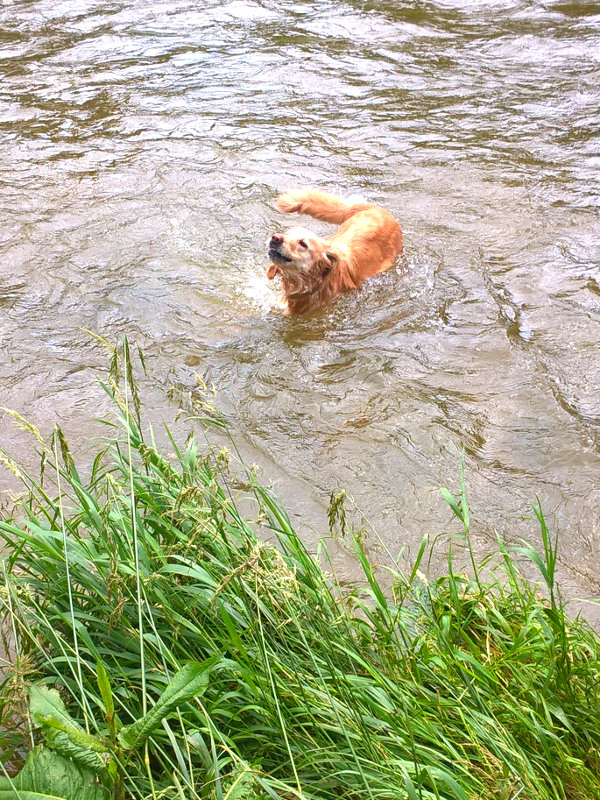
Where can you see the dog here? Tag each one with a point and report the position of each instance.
(314, 271)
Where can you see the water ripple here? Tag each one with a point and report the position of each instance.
(142, 146)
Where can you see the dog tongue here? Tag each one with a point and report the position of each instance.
(271, 272)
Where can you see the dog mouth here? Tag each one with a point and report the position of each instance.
(278, 257)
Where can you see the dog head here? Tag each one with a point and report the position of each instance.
(301, 258)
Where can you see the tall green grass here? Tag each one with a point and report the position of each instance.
(166, 645)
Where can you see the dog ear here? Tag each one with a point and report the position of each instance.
(271, 272)
(328, 262)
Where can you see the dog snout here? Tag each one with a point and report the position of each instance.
(276, 240)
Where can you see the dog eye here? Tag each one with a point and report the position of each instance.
(302, 243)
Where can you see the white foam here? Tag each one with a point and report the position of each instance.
(256, 287)
(355, 198)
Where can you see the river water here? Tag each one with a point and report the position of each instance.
(142, 144)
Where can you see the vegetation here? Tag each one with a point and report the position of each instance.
(168, 646)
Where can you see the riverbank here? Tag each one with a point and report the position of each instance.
(171, 645)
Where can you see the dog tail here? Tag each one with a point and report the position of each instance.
(320, 205)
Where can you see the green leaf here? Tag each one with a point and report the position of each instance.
(10, 794)
(46, 703)
(107, 698)
(243, 785)
(62, 733)
(77, 736)
(49, 776)
(191, 681)
(64, 743)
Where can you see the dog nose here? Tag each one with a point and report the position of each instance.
(276, 240)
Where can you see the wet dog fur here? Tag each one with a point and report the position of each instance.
(313, 270)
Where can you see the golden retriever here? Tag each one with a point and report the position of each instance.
(313, 270)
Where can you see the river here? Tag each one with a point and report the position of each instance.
(142, 144)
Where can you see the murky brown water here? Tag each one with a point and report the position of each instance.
(141, 146)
